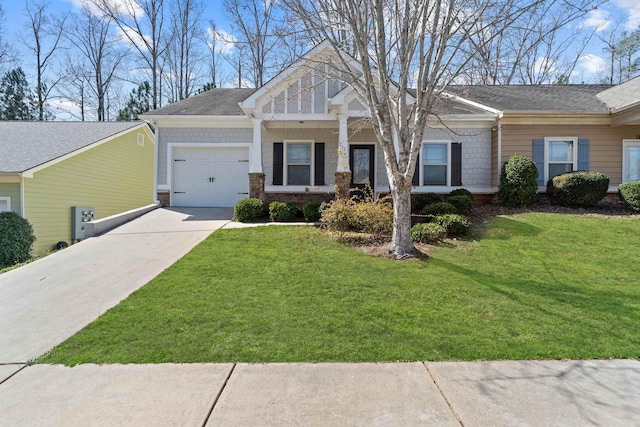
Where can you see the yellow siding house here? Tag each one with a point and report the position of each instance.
(46, 168)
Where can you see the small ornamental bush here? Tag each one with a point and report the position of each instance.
(463, 204)
(428, 233)
(368, 216)
(16, 238)
(461, 192)
(424, 199)
(629, 192)
(518, 182)
(456, 225)
(247, 210)
(439, 208)
(282, 211)
(311, 211)
(578, 188)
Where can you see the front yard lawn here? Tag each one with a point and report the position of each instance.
(534, 286)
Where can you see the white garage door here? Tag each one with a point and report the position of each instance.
(210, 177)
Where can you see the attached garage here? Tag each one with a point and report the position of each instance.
(209, 176)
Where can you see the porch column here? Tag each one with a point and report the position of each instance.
(343, 171)
(255, 164)
(256, 175)
(343, 144)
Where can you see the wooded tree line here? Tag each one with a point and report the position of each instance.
(169, 50)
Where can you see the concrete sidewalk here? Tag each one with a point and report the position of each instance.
(528, 393)
(47, 301)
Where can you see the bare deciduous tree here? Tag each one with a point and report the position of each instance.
(142, 23)
(183, 56)
(7, 53)
(400, 45)
(255, 30)
(44, 40)
(92, 37)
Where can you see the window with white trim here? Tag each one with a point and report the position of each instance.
(435, 163)
(561, 155)
(5, 204)
(631, 160)
(298, 159)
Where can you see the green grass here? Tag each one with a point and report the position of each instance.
(534, 286)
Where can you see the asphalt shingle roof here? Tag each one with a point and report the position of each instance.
(25, 145)
(568, 98)
(214, 102)
(623, 95)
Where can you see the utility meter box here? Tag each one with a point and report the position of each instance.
(79, 216)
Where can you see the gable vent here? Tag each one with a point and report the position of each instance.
(141, 140)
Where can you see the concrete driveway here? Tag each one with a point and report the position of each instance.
(45, 302)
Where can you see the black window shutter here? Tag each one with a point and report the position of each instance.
(456, 164)
(278, 163)
(416, 173)
(319, 164)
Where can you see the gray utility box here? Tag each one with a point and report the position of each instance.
(79, 215)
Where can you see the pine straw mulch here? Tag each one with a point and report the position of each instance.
(481, 216)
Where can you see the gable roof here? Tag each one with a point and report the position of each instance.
(569, 98)
(26, 145)
(213, 102)
(622, 96)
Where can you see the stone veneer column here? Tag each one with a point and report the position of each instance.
(164, 198)
(343, 184)
(256, 185)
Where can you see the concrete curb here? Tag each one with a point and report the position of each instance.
(99, 226)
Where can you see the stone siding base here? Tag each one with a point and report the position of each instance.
(297, 199)
(164, 198)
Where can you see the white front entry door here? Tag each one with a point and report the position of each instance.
(209, 176)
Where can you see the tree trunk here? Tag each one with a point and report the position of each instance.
(401, 243)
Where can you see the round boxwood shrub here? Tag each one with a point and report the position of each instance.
(456, 225)
(629, 192)
(282, 211)
(311, 211)
(16, 238)
(518, 182)
(462, 203)
(428, 232)
(461, 192)
(578, 188)
(424, 199)
(439, 208)
(247, 210)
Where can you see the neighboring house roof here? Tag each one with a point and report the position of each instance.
(213, 102)
(26, 145)
(622, 96)
(570, 98)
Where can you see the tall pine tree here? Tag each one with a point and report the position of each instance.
(16, 100)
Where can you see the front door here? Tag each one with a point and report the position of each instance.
(362, 166)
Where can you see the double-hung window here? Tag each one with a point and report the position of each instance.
(298, 167)
(435, 163)
(561, 155)
(630, 160)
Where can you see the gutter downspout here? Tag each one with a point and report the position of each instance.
(499, 145)
(22, 210)
(156, 132)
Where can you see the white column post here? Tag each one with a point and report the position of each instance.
(255, 164)
(343, 144)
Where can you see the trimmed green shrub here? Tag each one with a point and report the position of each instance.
(456, 225)
(461, 192)
(282, 211)
(16, 238)
(518, 182)
(462, 203)
(439, 208)
(428, 233)
(424, 199)
(629, 192)
(247, 210)
(578, 188)
(311, 211)
(368, 216)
